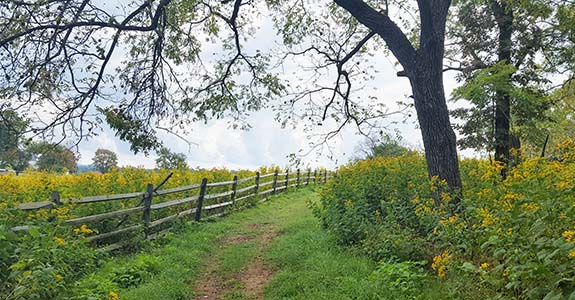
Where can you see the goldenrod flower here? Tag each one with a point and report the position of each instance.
(440, 263)
(569, 235)
(114, 295)
(83, 229)
(59, 241)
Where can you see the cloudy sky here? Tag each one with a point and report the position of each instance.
(215, 144)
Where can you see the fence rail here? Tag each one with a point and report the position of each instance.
(196, 201)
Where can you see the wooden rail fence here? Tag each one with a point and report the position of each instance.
(196, 201)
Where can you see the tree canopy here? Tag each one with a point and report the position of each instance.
(383, 145)
(12, 141)
(53, 157)
(104, 160)
(506, 52)
(170, 160)
(163, 79)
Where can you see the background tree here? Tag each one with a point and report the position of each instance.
(12, 141)
(382, 146)
(506, 50)
(104, 160)
(170, 160)
(559, 124)
(53, 157)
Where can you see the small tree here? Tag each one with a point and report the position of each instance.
(382, 146)
(104, 160)
(53, 157)
(170, 160)
(12, 128)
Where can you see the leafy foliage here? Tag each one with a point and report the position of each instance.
(385, 145)
(170, 160)
(53, 157)
(511, 239)
(506, 51)
(104, 160)
(12, 152)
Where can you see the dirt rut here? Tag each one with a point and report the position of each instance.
(253, 276)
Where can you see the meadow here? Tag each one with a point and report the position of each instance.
(500, 238)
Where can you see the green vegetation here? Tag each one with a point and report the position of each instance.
(302, 262)
(104, 160)
(507, 239)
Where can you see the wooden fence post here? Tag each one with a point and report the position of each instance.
(287, 179)
(315, 176)
(275, 183)
(147, 206)
(325, 177)
(201, 199)
(257, 183)
(234, 188)
(308, 173)
(55, 198)
(297, 182)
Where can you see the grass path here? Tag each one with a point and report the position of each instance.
(274, 251)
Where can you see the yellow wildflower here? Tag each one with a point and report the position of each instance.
(83, 229)
(440, 263)
(530, 206)
(58, 277)
(484, 266)
(59, 241)
(114, 295)
(572, 254)
(487, 218)
(569, 235)
(449, 220)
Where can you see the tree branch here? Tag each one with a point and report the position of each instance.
(381, 24)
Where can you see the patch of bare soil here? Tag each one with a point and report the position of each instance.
(237, 239)
(210, 286)
(254, 275)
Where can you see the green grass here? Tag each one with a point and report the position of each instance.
(308, 262)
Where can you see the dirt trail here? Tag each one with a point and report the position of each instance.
(253, 276)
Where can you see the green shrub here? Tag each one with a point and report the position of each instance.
(134, 274)
(391, 242)
(512, 238)
(405, 279)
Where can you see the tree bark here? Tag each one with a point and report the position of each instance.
(438, 137)
(504, 18)
(424, 68)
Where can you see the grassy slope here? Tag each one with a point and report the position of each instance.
(309, 264)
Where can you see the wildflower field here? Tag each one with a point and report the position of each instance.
(508, 239)
(45, 261)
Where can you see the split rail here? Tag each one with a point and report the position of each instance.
(154, 210)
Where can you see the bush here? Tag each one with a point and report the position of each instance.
(405, 279)
(391, 242)
(513, 237)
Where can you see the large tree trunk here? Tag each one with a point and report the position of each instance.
(504, 18)
(438, 137)
(423, 66)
